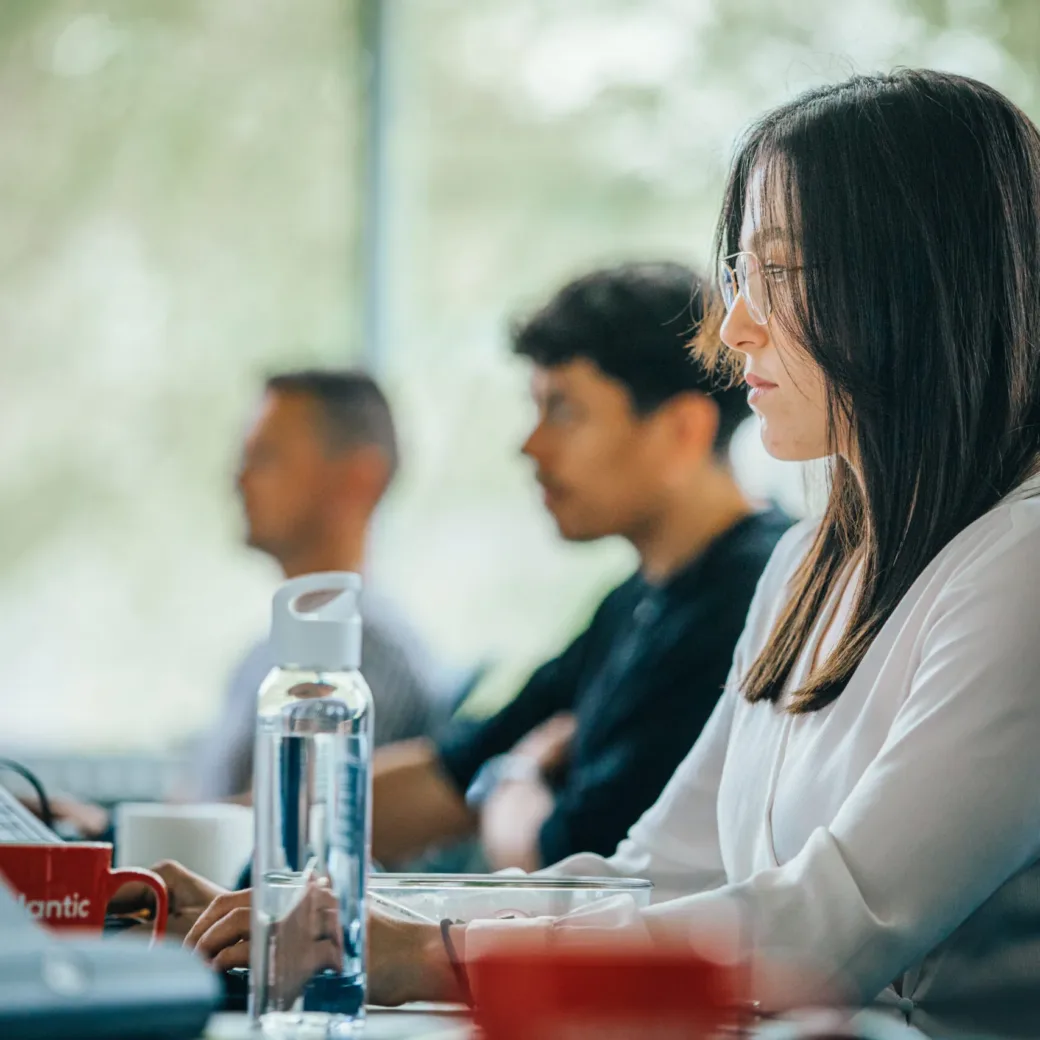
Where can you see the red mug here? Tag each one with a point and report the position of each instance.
(608, 990)
(69, 885)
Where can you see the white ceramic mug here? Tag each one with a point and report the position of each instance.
(213, 839)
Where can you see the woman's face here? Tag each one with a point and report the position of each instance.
(786, 388)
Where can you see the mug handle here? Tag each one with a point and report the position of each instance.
(122, 875)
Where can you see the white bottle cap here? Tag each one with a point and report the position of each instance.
(316, 622)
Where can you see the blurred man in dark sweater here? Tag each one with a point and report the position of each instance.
(631, 440)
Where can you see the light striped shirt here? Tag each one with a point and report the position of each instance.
(398, 671)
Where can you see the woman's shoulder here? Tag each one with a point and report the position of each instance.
(1000, 540)
(1002, 547)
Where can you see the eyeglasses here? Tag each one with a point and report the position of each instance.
(743, 274)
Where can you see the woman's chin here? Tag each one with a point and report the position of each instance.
(784, 447)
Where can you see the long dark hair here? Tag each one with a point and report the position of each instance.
(912, 202)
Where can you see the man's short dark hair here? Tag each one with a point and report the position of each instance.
(635, 322)
(352, 410)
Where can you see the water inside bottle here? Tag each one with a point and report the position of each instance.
(312, 794)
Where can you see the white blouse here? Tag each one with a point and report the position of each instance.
(893, 835)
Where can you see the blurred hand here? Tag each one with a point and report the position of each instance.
(88, 819)
(310, 937)
(220, 934)
(550, 743)
(190, 895)
(406, 960)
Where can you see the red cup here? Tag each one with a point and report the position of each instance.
(69, 885)
(573, 994)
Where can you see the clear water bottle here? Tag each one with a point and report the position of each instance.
(312, 800)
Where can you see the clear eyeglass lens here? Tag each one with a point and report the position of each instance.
(728, 284)
(752, 283)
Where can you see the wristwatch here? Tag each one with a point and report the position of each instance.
(496, 771)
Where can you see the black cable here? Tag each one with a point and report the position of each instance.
(46, 814)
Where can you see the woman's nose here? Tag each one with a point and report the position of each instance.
(740, 331)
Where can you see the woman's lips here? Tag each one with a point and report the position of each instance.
(757, 387)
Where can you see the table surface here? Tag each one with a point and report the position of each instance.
(444, 1022)
(414, 1022)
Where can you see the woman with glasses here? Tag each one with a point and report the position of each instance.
(867, 793)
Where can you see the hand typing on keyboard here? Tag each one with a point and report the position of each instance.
(190, 894)
(85, 818)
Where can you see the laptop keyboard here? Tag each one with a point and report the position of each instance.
(19, 826)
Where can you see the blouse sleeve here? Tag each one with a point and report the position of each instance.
(944, 815)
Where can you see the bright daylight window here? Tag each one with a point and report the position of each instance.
(176, 217)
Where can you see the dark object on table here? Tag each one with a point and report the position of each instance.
(236, 989)
(115, 924)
